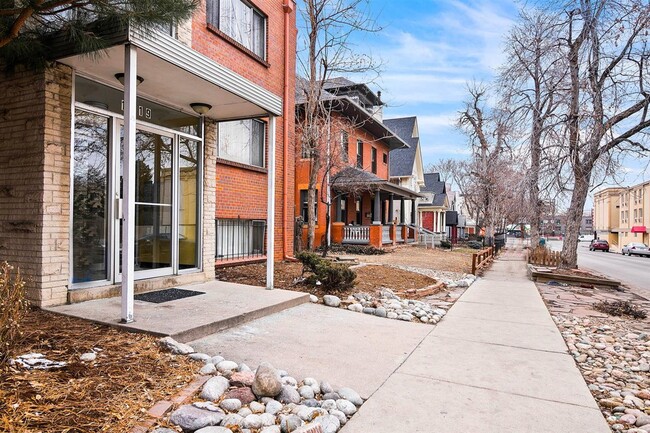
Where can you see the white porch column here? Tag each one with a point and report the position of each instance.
(128, 179)
(270, 206)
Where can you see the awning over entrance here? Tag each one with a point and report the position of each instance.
(639, 229)
(177, 75)
(354, 180)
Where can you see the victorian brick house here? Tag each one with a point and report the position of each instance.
(357, 185)
(180, 142)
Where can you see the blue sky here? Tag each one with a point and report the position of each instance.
(430, 49)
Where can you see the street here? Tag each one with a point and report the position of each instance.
(632, 271)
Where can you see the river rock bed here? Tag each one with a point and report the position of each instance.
(387, 305)
(267, 400)
(613, 355)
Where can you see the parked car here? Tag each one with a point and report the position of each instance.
(599, 244)
(636, 249)
(585, 238)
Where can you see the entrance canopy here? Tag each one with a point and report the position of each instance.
(177, 75)
(639, 229)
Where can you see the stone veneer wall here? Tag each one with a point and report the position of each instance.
(35, 179)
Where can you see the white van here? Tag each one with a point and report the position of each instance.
(585, 238)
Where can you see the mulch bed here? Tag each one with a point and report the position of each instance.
(369, 278)
(110, 394)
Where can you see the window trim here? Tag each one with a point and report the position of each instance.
(359, 155)
(373, 159)
(249, 165)
(263, 60)
(304, 206)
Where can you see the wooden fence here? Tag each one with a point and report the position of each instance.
(482, 258)
(542, 256)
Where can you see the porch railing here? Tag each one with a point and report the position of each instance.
(385, 234)
(398, 233)
(240, 238)
(356, 235)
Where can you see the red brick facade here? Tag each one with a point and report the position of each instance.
(242, 190)
(355, 133)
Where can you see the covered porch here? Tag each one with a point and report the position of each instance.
(364, 211)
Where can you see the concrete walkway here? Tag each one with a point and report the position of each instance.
(220, 305)
(496, 363)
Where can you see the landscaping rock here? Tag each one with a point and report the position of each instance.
(288, 395)
(313, 383)
(313, 298)
(230, 404)
(273, 407)
(212, 429)
(243, 394)
(288, 380)
(244, 368)
(267, 381)
(242, 378)
(253, 422)
(175, 347)
(331, 300)
(381, 312)
(203, 357)
(232, 421)
(311, 402)
(267, 419)
(289, 423)
(214, 388)
(207, 405)
(350, 395)
(191, 418)
(164, 430)
(340, 416)
(325, 387)
(271, 429)
(346, 407)
(226, 366)
(357, 308)
(257, 407)
(306, 392)
(217, 359)
(331, 396)
(329, 423)
(207, 369)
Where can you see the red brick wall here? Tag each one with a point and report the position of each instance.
(427, 220)
(242, 192)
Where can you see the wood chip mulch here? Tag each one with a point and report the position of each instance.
(110, 394)
(369, 279)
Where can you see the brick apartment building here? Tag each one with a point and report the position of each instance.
(363, 210)
(203, 112)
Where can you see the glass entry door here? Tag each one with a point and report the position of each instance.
(154, 216)
(167, 201)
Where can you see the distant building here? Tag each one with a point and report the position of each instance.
(587, 224)
(622, 215)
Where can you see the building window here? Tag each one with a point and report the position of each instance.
(242, 141)
(345, 150)
(305, 153)
(304, 199)
(373, 159)
(238, 238)
(240, 21)
(359, 153)
(385, 158)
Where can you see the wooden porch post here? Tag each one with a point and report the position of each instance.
(391, 208)
(401, 210)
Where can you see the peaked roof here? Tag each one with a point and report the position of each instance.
(402, 160)
(432, 183)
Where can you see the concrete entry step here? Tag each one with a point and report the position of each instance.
(223, 305)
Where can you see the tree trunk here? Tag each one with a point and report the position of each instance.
(326, 245)
(569, 255)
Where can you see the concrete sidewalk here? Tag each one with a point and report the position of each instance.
(496, 363)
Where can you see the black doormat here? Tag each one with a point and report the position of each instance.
(160, 296)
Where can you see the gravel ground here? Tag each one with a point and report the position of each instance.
(613, 353)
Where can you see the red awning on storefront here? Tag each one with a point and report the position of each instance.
(638, 229)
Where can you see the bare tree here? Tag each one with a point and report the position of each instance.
(326, 31)
(530, 85)
(488, 132)
(605, 43)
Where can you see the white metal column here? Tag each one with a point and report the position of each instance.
(128, 176)
(270, 212)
